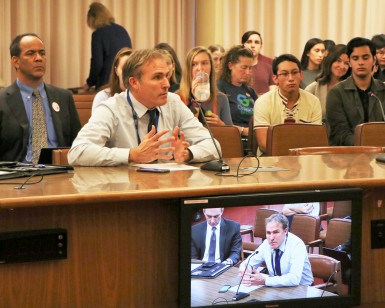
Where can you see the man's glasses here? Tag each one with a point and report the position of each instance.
(287, 74)
(381, 52)
(212, 216)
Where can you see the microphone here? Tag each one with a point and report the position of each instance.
(379, 102)
(327, 282)
(240, 295)
(215, 165)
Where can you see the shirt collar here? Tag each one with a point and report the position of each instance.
(140, 109)
(285, 100)
(27, 89)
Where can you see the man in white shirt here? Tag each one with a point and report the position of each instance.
(285, 257)
(143, 124)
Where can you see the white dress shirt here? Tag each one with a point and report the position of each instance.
(295, 264)
(110, 133)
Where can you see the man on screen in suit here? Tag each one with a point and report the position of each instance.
(228, 240)
(58, 114)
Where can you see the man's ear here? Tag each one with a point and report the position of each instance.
(15, 62)
(134, 83)
(275, 80)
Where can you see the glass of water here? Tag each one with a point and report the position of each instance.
(201, 91)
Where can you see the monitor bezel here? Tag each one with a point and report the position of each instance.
(189, 206)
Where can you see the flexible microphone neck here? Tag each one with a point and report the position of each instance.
(379, 102)
(215, 165)
(327, 282)
(240, 295)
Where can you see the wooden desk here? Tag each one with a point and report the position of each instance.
(205, 291)
(123, 228)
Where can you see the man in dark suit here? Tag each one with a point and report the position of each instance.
(59, 120)
(217, 239)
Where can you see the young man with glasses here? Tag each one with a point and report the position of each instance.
(217, 239)
(287, 103)
(358, 99)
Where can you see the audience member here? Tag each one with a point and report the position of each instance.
(216, 108)
(171, 76)
(359, 98)
(290, 209)
(262, 74)
(379, 41)
(33, 114)
(217, 239)
(217, 52)
(115, 84)
(284, 254)
(329, 44)
(311, 60)
(287, 103)
(334, 68)
(144, 123)
(237, 64)
(178, 67)
(107, 39)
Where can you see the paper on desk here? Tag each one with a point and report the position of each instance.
(168, 166)
(244, 288)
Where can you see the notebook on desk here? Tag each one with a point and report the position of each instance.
(46, 155)
(204, 271)
(18, 170)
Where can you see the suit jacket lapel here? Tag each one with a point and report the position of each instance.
(57, 123)
(222, 239)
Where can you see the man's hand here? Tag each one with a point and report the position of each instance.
(149, 149)
(253, 279)
(180, 146)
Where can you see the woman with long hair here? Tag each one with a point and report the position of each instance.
(311, 60)
(216, 108)
(335, 67)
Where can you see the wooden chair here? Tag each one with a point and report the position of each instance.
(59, 157)
(230, 140)
(258, 229)
(335, 150)
(307, 227)
(338, 232)
(282, 137)
(327, 269)
(370, 134)
(83, 103)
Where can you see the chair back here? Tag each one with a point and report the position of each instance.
(335, 150)
(370, 134)
(230, 140)
(259, 222)
(341, 209)
(83, 103)
(326, 268)
(282, 137)
(307, 228)
(338, 232)
(59, 157)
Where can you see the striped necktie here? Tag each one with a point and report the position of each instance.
(39, 129)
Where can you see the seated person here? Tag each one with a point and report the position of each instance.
(217, 239)
(144, 123)
(287, 103)
(284, 254)
(311, 208)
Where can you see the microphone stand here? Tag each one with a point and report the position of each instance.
(214, 165)
(380, 103)
(240, 295)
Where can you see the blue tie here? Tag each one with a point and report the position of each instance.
(153, 114)
(213, 245)
(277, 263)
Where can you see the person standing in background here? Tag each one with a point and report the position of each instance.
(107, 39)
(262, 73)
(311, 60)
(34, 114)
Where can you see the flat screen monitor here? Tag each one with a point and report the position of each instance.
(343, 203)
